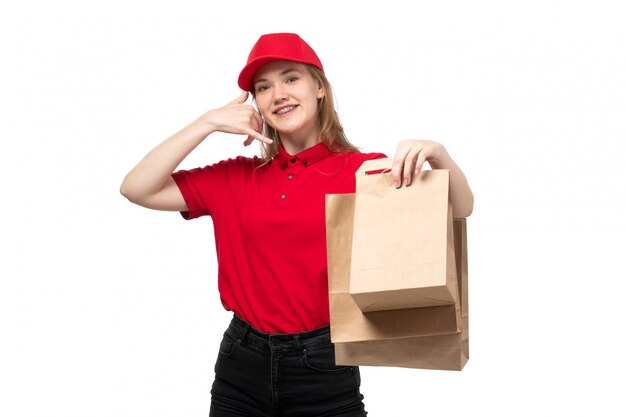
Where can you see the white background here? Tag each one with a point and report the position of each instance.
(108, 309)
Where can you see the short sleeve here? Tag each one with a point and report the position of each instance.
(203, 188)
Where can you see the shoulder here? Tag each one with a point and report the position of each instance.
(357, 159)
(366, 156)
(226, 168)
(238, 163)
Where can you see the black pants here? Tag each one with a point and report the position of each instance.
(260, 374)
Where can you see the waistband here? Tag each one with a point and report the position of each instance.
(243, 332)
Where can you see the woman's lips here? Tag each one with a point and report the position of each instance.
(284, 110)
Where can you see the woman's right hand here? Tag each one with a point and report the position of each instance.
(150, 183)
(238, 118)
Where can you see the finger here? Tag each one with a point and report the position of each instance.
(258, 121)
(409, 164)
(420, 162)
(397, 166)
(257, 124)
(241, 99)
(256, 135)
(249, 141)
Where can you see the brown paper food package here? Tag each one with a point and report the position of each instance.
(402, 251)
(424, 337)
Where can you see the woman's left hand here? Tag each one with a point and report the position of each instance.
(410, 157)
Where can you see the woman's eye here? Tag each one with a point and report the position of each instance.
(261, 88)
(291, 79)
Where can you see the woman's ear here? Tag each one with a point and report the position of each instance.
(320, 90)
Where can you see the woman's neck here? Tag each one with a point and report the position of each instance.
(297, 145)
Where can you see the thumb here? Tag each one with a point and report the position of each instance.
(241, 99)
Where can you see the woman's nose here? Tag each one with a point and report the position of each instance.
(280, 93)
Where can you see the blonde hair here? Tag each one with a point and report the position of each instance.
(332, 132)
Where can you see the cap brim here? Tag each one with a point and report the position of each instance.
(246, 75)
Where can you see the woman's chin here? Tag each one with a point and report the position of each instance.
(287, 129)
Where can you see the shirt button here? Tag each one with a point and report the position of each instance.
(283, 196)
(290, 176)
(293, 161)
(306, 163)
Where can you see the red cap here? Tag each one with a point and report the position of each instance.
(273, 47)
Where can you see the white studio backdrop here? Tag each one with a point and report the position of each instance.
(108, 309)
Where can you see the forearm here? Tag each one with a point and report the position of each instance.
(154, 170)
(460, 193)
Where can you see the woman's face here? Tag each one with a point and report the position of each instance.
(287, 96)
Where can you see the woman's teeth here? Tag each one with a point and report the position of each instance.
(285, 110)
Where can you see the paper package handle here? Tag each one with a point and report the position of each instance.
(378, 171)
(374, 165)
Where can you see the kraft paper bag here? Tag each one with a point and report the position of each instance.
(402, 250)
(415, 338)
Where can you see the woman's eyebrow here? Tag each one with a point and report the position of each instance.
(287, 71)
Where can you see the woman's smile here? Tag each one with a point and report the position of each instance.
(285, 110)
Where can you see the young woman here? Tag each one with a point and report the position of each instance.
(276, 357)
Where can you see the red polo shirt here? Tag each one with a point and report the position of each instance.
(270, 232)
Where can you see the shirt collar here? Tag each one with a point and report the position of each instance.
(306, 157)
